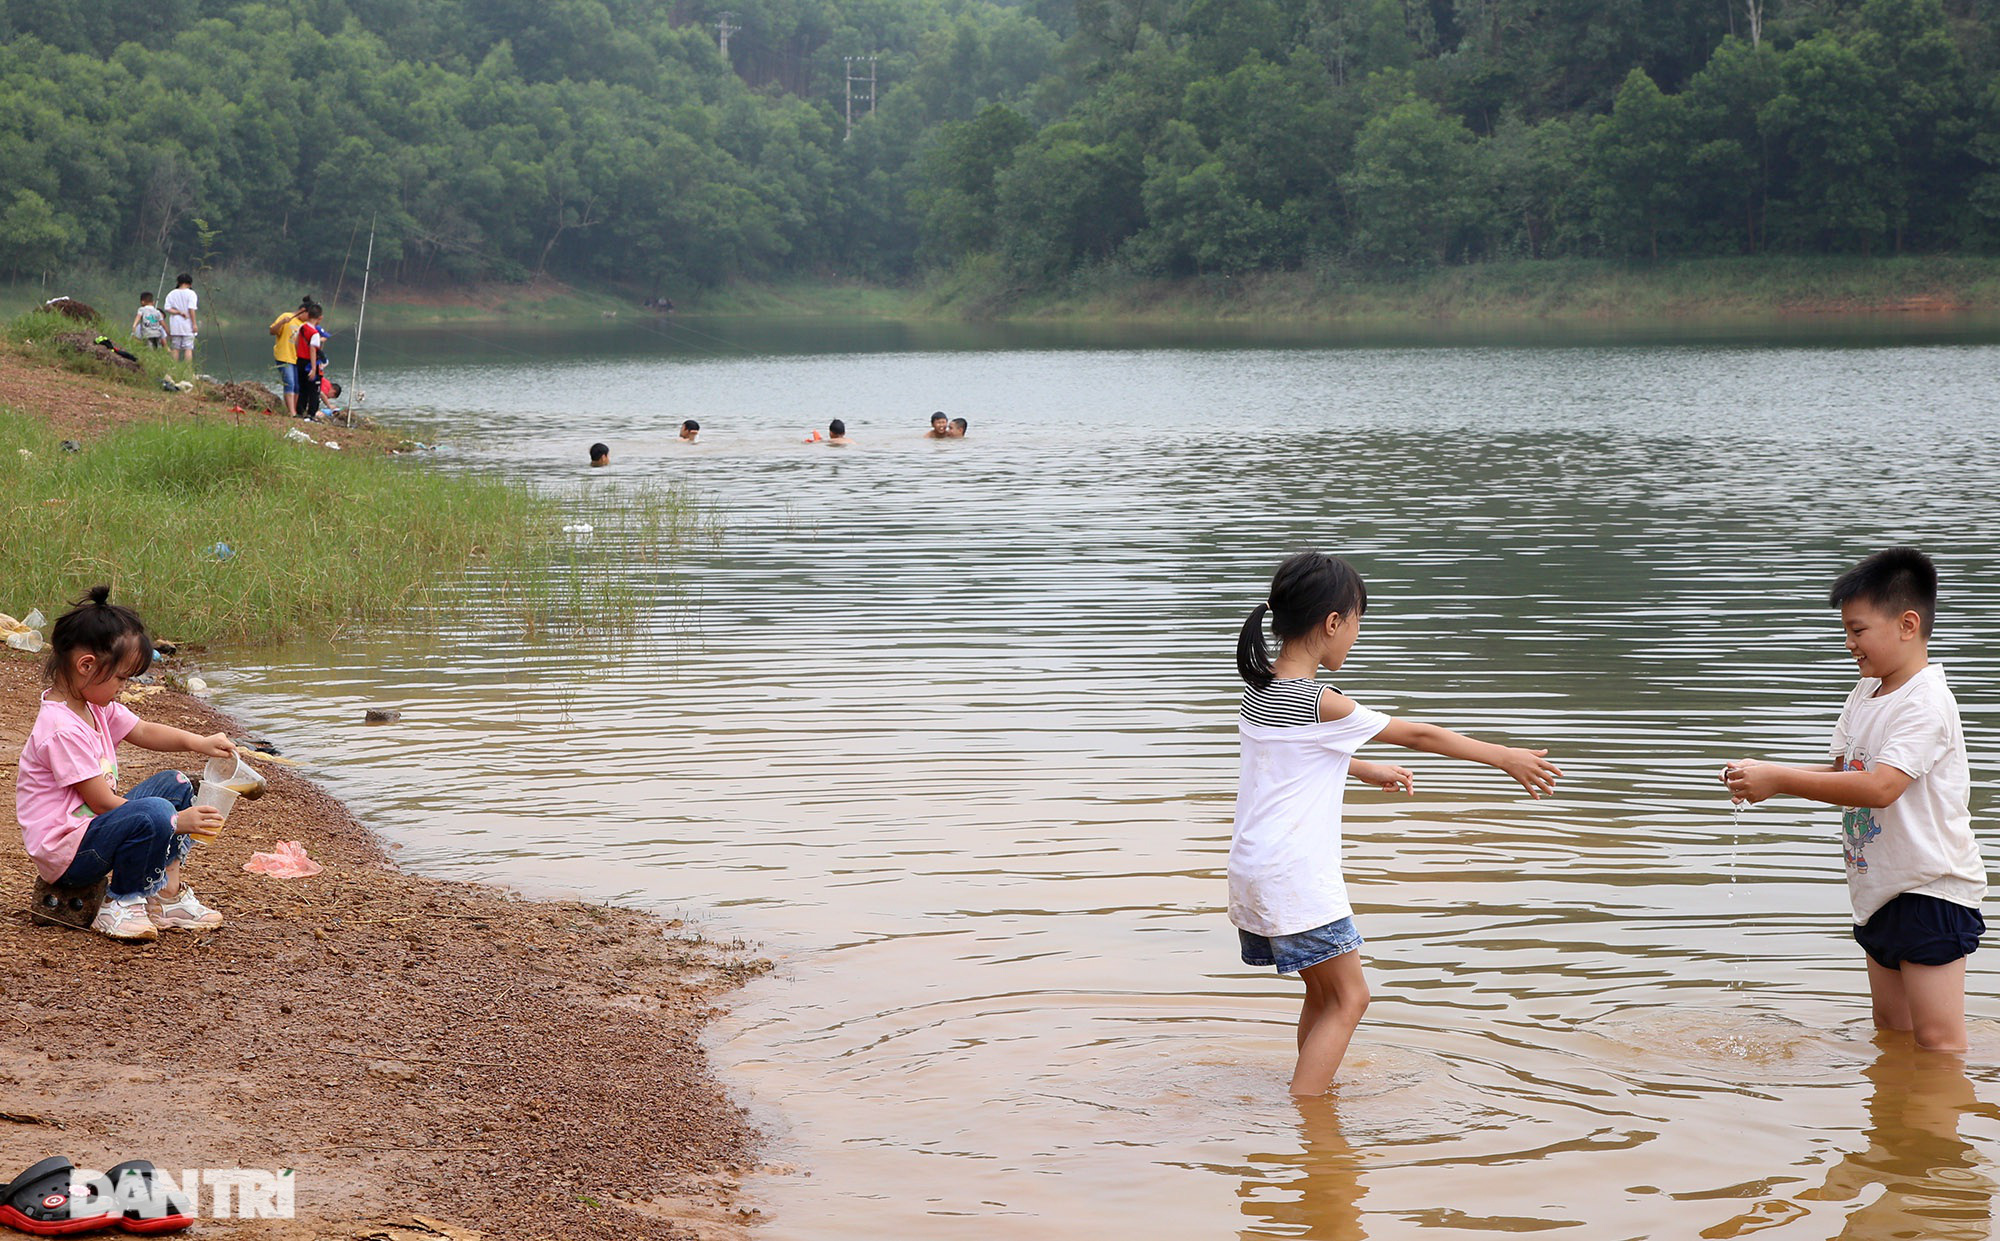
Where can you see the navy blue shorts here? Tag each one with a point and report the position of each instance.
(1292, 953)
(1915, 929)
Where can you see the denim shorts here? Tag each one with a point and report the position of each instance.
(1915, 929)
(1292, 953)
(288, 375)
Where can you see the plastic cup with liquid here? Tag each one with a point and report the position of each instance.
(235, 775)
(221, 796)
(224, 780)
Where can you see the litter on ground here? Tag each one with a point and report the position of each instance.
(287, 860)
(24, 634)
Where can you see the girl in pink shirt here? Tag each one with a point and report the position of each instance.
(73, 822)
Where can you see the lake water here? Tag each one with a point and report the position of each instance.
(948, 729)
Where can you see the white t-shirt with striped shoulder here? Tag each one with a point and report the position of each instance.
(1284, 854)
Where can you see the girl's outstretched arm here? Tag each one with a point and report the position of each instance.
(1531, 769)
(148, 735)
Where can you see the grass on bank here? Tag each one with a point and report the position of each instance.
(981, 288)
(38, 329)
(217, 532)
(832, 298)
(234, 298)
(1525, 290)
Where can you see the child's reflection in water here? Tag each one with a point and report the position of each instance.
(1933, 1182)
(1312, 1192)
(1916, 1177)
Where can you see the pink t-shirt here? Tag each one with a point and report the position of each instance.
(63, 751)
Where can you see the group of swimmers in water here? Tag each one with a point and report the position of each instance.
(942, 428)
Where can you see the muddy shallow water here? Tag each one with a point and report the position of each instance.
(949, 729)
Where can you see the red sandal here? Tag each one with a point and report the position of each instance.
(44, 1202)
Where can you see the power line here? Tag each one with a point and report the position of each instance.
(723, 29)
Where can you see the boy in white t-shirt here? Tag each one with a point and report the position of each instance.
(183, 324)
(1914, 873)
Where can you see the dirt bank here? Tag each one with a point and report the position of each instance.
(414, 1049)
(82, 404)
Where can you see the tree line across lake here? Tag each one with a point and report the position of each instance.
(612, 139)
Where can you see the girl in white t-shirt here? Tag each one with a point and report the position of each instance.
(1286, 895)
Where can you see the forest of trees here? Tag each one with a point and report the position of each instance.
(611, 140)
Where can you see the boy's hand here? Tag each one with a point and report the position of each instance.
(216, 746)
(1750, 781)
(1531, 769)
(1385, 776)
(202, 821)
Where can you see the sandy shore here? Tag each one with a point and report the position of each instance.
(433, 1059)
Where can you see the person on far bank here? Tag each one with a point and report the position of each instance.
(1898, 770)
(74, 824)
(148, 324)
(183, 318)
(311, 368)
(1299, 736)
(285, 351)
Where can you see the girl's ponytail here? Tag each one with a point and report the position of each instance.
(1253, 658)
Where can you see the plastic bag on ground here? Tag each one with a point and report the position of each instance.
(287, 860)
(23, 635)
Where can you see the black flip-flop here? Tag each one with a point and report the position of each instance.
(153, 1208)
(38, 1202)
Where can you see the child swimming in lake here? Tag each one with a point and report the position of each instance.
(74, 824)
(1299, 736)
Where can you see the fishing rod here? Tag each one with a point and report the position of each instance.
(367, 266)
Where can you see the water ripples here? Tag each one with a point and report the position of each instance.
(950, 726)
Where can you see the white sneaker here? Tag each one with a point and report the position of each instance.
(183, 913)
(124, 918)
